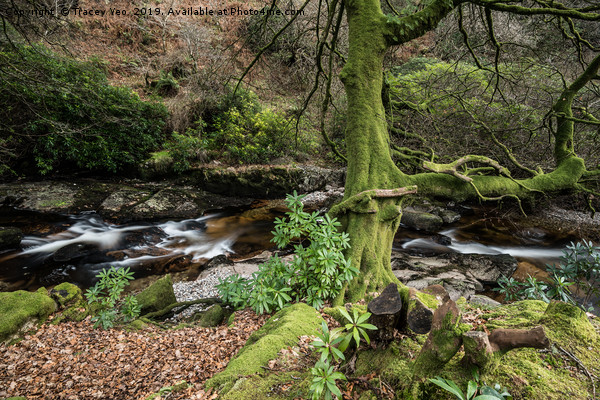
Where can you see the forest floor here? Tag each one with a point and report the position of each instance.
(74, 361)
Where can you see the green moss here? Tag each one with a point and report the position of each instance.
(281, 330)
(157, 296)
(430, 301)
(18, 310)
(211, 317)
(231, 319)
(393, 363)
(566, 321)
(288, 385)
(136, 325)
(66, 293)
(520, 315)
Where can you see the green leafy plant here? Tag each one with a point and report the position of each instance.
(316, 273)
(323, 384)
(356, 327)
(105, 297)
(580, 265)
(474, 391)
(326, 344)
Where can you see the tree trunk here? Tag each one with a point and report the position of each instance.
(372, 223)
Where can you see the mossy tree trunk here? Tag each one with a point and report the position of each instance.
(370, 210)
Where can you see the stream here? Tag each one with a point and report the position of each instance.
(74, 248)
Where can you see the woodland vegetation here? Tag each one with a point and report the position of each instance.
(485, 100)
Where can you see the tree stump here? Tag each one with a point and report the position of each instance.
(386, 312)
(416, 316)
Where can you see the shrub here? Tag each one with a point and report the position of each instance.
(316, 273)
(105, 296)
(62, 112)
(580, 265)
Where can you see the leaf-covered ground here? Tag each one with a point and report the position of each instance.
(74, 361)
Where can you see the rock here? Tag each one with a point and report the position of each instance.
(69, 299)
(10, 238)
(157, 296)
(21, 311)
(481, 300)
(263, 181)
(73, 251)
(421, 221)
(526, 269)
(448, 216)
(66, 294)
(460, 274)
(211, 317)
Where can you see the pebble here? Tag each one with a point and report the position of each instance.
(203, 287)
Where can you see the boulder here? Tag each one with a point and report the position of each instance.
(21, 311)
(211, 317)
(10, 238)
(421, 221)
(69, 299)
(157, 296)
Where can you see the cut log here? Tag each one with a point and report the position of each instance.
(386, 312)
(444, 340)
(417, 317)
(484, 350)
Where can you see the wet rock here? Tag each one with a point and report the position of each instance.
(459, 274)
(263, 181)
(448, 216)
(526, 269)
(481, 300)
(10, 238)
(74, 251)
(421, 221)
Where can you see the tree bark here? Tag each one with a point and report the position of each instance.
(485, 350)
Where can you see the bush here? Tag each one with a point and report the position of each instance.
(62, 112)
(105, 297)
(580, 267)
(316, 273)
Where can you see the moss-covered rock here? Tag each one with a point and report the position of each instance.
(281, 330)
(211, 317)
(10, 238)
(157, 296)
(66, 294)
(136, 325)
(70, 301)
(20, 311)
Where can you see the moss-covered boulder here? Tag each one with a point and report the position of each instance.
(10, 238)
(281, 330)
(70, 301)
(211, 317)
(157, 296)
(21, 311)
(66, 294)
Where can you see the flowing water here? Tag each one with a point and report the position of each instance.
(75, 248)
